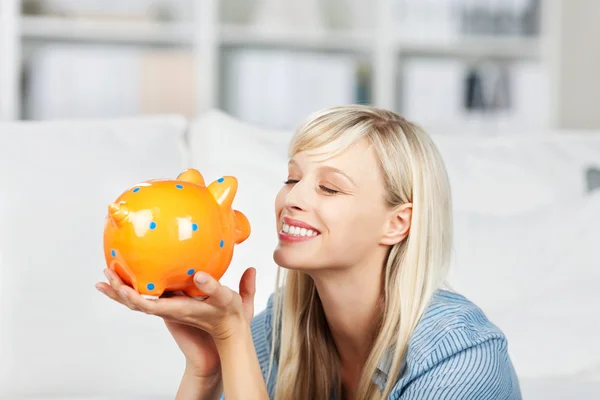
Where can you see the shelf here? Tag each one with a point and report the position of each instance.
(503, 48)
(56, 28)
(238, 36)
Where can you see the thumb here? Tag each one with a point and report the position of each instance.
(248, 289)
(248, 284)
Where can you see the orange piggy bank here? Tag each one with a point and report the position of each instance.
(160, 232)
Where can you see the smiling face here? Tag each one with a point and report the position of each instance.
(331, 213)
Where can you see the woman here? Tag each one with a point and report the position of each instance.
(365, 227)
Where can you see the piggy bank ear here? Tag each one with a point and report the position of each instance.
(192, 175)
(224, 190)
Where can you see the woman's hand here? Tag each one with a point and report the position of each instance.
(194, 324)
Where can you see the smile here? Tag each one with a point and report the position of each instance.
(297, 231)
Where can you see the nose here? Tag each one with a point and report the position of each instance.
(296, 199)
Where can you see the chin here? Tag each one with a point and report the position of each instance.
(294, 259)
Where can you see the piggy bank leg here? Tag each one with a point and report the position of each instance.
(150, 289)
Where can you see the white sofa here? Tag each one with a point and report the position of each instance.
(527, 232)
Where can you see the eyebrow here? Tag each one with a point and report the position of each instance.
(327, 168)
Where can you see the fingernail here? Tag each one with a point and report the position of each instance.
(100, 289)
(201, 277)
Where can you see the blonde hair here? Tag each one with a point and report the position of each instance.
(413, 172)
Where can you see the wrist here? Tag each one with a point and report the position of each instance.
(194, 387)
(207, 381)
(242, 375)
(234, 332)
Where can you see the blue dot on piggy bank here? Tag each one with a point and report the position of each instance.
(220, 180)
(150, 286)
(194, 227)
(136, 190)
(152, 225)
(178, 186)
(222, 243)
(113, 253)
(190, 271)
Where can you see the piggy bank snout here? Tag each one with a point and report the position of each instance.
(117, 212)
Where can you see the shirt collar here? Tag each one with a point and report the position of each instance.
(383, 369)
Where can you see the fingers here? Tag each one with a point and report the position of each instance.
(134, 300)
(180, 309)
(108, 291)
(221, 304)
(218, 295)
(118, 289)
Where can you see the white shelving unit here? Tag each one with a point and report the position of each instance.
(62, 29)
(207, 36)
(10, 59)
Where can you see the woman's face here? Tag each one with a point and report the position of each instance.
(332, 213)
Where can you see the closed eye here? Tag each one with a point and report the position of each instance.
(330, 191)
(323, 188)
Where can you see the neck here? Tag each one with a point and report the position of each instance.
(351, 303)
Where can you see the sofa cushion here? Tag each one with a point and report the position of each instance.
(513, 173)
(536, 276)
(58, 335)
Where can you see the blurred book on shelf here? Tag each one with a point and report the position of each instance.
(168, 82)
(77, 81)
(279, 89)
(485, 98)
(448, 19)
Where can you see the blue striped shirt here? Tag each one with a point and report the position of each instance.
(455, 353)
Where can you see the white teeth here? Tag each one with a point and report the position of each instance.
(297, 231)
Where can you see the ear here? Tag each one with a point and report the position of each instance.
(398, 225)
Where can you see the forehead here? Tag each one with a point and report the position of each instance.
(357, 161)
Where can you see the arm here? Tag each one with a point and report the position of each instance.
(482, 372)
(195, 388)
(225, 315)
(242, 376)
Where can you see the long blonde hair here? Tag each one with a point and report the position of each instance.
(414, 173)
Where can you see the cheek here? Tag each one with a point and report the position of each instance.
(280, 200)
(355, 226)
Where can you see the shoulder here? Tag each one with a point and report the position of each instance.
(450, 324)
(457, 352)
